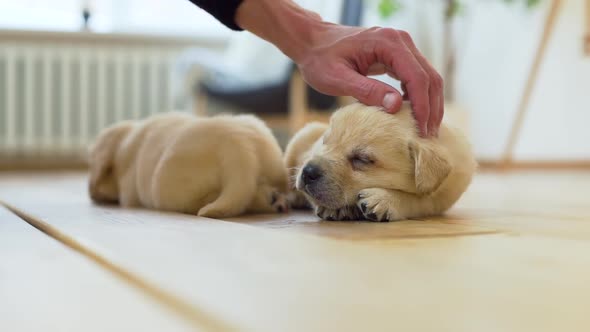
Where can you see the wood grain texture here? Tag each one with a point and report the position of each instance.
(514, 255)
(44, 286)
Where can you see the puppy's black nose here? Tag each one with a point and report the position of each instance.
(311, 173)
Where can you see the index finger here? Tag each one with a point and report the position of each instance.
(403, 64)
(435, 88)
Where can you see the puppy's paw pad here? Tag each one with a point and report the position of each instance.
(375, 205)
(363, 207)
(325, 213)
(372, 216)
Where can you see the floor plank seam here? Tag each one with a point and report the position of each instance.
(197, 317)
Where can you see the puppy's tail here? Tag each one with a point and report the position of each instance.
(102, 185)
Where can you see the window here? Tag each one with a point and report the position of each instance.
(177, 17)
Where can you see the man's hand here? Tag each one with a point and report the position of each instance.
(342, 57)
(336, 60)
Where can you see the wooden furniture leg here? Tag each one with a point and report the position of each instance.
(297, 102)
(530, 84)
(587, 35)
(199, 99)
(200, 104)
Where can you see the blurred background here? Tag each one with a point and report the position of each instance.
(517, 73)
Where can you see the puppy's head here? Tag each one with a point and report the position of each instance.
(365, 147)
(102, 184)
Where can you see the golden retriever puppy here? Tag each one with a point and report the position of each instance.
(368, 164)
(214, 167)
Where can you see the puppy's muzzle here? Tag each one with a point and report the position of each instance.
(316, 183)
(311, 174)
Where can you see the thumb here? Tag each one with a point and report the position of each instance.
(372, 92)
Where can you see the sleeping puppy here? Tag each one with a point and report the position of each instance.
(367, 164)
(214, 167)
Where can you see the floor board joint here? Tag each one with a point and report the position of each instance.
(199, 318)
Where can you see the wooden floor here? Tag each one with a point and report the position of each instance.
(513, 255)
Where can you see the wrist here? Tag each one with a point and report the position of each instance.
(292, 29)
(302, 35)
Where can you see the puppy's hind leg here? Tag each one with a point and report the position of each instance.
(179, 188)
(238, 186)
(268, 199)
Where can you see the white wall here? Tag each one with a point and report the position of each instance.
(496, 47)
(497, 43)
(492, 75)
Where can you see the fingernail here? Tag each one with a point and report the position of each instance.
(388, 101)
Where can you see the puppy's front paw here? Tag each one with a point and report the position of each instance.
(298, 201)
(279, 202)
(377, 204)
(343, 214)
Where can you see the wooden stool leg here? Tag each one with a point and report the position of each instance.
(297, 102)
(197, 100)
(530, 84)
(200, 104)
(587, 35)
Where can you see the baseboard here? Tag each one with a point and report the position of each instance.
(495, 165)
(42, 165)
(535, 165)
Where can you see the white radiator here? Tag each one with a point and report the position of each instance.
(56, 94)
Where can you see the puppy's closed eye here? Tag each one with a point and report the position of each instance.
(360, 160)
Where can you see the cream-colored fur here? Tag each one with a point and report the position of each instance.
(214, 167)
(368, 164)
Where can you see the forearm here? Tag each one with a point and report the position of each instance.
(283, 23)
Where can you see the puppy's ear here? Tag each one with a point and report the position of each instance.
(431, 166)
(101, 156)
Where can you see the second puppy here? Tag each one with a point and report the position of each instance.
(214, 167)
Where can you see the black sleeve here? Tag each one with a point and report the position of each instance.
(223, 10)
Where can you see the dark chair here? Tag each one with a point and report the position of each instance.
(290, 96)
